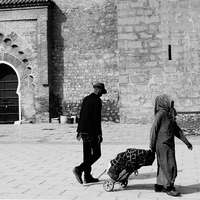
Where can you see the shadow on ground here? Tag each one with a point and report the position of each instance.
(143, 176)
(189, 189)
(184, 190)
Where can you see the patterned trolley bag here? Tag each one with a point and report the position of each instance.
(125, 163)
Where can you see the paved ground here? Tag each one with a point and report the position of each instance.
(37, 162)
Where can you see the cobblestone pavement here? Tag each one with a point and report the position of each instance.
(37, 162)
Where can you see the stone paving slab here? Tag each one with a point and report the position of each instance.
(37, 162)
(66, 133)
(43, 171)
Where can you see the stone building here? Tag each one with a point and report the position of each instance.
(51, 52)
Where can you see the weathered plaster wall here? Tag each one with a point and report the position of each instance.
(146, 28)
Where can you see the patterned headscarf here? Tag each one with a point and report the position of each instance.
(162, 102)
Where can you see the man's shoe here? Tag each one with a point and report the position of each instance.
(91, 180)
(159, 188)
(78, 175)
(173, 193)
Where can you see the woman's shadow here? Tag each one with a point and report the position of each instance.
(189, 189)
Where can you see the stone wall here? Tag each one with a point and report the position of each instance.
(138, 48)
(158, 45)
(189, 123)
(23, 45)
(85, 52)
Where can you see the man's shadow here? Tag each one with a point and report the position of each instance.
(142, 176)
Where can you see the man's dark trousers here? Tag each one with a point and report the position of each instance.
(91, 153)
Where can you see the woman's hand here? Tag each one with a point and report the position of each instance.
(190, 147)
(100, 139)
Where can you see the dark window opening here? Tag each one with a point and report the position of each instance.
(169, 52)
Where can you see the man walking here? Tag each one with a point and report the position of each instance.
(89, 129)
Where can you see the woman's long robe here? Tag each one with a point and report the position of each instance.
(162, 142)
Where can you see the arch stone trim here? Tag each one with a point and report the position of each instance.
(12, 57)
(28, 50)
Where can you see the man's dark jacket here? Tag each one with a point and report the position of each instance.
(90, 116)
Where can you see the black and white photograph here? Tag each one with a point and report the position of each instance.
(100, 99)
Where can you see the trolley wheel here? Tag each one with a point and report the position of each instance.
(136, 172)
(108, 185)
(124, 183)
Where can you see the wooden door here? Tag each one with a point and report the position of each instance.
(9, 100)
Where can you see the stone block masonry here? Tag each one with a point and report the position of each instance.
(138, 48)
(158, 41)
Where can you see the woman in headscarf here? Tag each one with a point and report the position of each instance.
(163, 130)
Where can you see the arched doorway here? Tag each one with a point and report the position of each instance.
(9, 99)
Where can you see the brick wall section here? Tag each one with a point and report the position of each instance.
(146, 28)
(85, 52)
(13, 57)
(27, 29)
